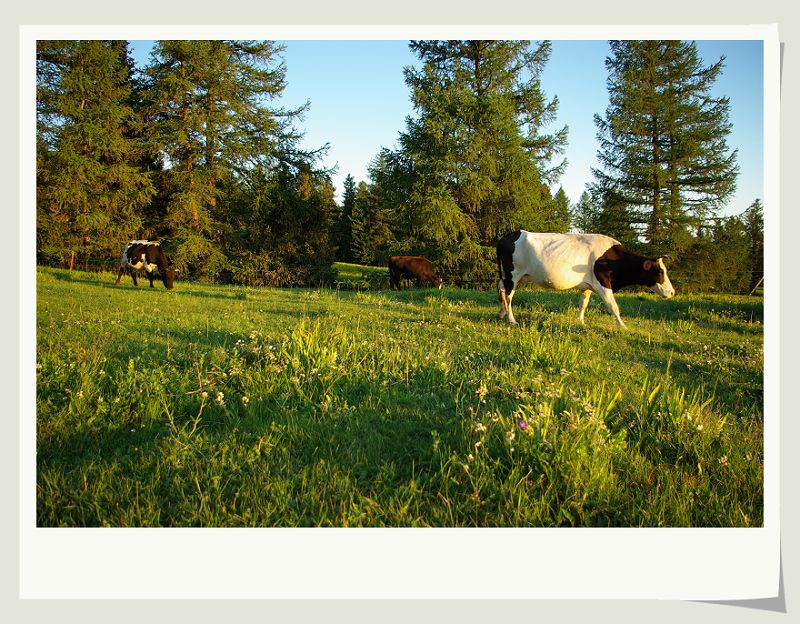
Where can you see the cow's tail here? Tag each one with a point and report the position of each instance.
(500, 283)
(505, 267)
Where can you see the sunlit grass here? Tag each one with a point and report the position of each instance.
(231, 406)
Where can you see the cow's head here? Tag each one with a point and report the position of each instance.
(437, 281)
(169, 276)
(655, 277)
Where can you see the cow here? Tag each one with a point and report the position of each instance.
(592, 263)
(412, 267)
(147, 255)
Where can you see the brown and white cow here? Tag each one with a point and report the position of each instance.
(147, 255)
(412, 267)
(592, 263)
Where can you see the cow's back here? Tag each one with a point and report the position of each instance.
(559, 261)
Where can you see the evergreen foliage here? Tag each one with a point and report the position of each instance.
(90, 188)
(191, 152)
(341, 235)
(559, 217)
(194, 150)
(474, 162)
(753, 220)
(208, 100)
(663, 146)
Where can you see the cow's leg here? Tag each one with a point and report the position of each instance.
(133, 276)
(501, 296)
(150, 277)
(509, 297)
(505, 289)
(584, 302)
(607, 296)
(119, 277)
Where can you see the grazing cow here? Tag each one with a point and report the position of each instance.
(412, 267)
(593, 263)
(147, 255)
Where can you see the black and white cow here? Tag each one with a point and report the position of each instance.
(416, 268)
(592, 263)
(147, 255)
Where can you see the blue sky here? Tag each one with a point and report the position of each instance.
(359, 102)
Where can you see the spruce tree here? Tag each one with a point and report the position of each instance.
(210, 103)
(585, 214)
(753, 220)
(362, 251)
(90, 187)
(558, 219)
(663, 146)
(343, 236)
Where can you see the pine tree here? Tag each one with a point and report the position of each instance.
(90, 187)
(475, 159)
(663, 145)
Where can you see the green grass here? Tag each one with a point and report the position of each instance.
(231, 406)
(360, 277)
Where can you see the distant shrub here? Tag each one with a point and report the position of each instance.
(269, 269)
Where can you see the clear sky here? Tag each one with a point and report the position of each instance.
(359, 102)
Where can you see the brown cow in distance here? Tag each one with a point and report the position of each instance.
(412, 267)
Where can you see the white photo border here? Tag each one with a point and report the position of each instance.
(683, 564)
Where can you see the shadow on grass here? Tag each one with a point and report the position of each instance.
(378, 448)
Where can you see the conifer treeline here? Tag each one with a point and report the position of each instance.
(196, 151)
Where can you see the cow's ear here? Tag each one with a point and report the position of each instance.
(648, 264)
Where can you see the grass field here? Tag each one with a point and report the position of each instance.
(229, 406)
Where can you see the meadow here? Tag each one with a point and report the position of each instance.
(225, 406)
